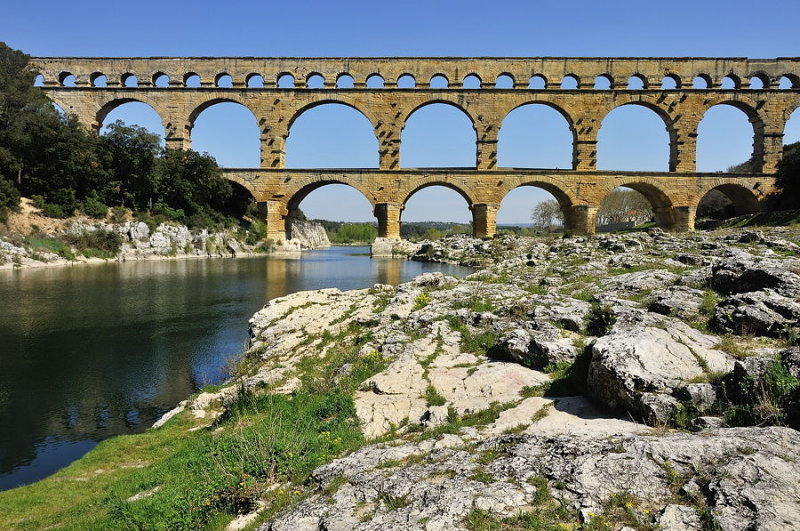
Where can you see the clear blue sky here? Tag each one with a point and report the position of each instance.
(630, 138)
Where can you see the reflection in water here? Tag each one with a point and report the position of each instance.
(88, 352)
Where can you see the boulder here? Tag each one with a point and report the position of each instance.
(638, 367)
(763, 313)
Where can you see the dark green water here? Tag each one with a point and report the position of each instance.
(88, 352)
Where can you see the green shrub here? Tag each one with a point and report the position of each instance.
(99, 243)
(93, 207)
(51, 210)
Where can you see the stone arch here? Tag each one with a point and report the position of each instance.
(313, 79)
(345, 81)
(604, 82)
(742, 199)
(793, 80)
(672, 132)
(563, 196)
(426, 182)
(241, 181)
(660, 199)
(560, 110)
(702, 78)
(223, 79)
(243, 144)
(439, 79)
(214, 101)
(733, 80)
(160, 79)
(671, 82)
(505, 80)
(374, 80)
(472, 81)
(760, 76)
(570, 82)
(328, 100)
(440, 100)
(192, 79)
(357, 129)
(302, 188)
(636, 80)
(98, 79)
(254, 80)
(106, 108)
(748, 107)
(404, 139)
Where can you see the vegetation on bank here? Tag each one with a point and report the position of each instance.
(66, 169)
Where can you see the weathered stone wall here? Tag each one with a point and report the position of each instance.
(580, 190)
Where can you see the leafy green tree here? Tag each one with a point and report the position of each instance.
(9, 198)
(131, 153)
(192, 182)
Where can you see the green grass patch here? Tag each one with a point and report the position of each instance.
(433, 398)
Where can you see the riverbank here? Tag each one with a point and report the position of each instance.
(643, 379)
(32, 240)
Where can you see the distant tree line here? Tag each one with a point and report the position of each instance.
(65, 168)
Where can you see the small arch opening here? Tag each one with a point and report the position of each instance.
(569, 82)
(161, 80)
(636, 82)
(130, 81)
(98, 80)
(603, 82)
(504, 81)
(375, 81)
(315, 81)
(285, 81)
(345, 81)
(731, 82)
(789, 81)
(537, 82)
(701, 81)
(439, 82)
(759, 82)
(255, 81)
(472, 81)
(191, 80)
(406, 81)
(670, 82)
(224, 81)
(624, 208)
(38, 81)
(66, 79)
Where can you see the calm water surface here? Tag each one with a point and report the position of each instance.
(88, 352)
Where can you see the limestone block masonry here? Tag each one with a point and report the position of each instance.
(98, 85)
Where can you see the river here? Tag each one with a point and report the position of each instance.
(92, 351)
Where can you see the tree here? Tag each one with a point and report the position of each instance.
(624, 206)
(131, 151)
(547, 214)
(788, 177)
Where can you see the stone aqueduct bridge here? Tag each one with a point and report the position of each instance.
(674, 194)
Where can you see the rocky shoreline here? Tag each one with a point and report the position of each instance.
(618, 381)
(138, 241)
